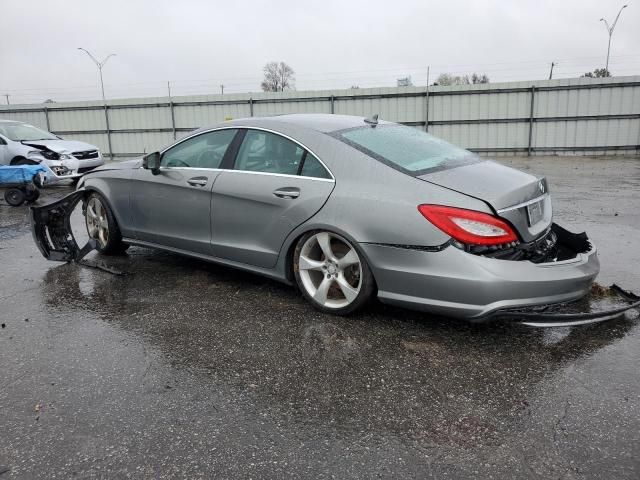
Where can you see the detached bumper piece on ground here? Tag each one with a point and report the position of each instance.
(51, 229)
(598, 305)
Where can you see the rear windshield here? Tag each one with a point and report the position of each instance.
(407, 149)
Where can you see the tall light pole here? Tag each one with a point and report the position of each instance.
(610, 32)
(99, 65)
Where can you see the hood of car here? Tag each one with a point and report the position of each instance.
(62, 146)
(126, 165)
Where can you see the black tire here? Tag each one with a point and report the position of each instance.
(14, 197)
(22, 161)
(32, 194)
(367, 284)
(111, 243)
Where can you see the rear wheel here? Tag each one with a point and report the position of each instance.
(102, 226)
(14, 197)
(331, 274)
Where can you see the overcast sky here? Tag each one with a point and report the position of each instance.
(198, 44)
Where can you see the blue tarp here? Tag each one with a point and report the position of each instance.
(21, 174)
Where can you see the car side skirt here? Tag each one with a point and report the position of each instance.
(266, 272)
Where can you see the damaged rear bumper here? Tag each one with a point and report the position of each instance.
(51, 229)
(599, 305)
(455, 283)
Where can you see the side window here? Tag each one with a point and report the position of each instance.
(203, 151)
(270, 153)
(313, 168)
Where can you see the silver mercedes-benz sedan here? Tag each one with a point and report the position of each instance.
(346, 208)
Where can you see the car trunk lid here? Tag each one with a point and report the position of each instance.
(519, 197)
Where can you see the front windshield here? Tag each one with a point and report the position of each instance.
(23, 131)
(407, 149)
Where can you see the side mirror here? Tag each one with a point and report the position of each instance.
(152, 162)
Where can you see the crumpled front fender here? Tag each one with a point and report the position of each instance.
(51, 229)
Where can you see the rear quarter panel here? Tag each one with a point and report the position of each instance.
(375, 203)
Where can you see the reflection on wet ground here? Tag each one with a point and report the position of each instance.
(185, 369)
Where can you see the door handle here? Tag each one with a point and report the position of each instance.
(197, 181)
(287, 192)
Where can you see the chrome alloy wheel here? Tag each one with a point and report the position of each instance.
(97, 221)
(330, 270)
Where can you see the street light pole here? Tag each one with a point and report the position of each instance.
(99, 65)
(610, 32)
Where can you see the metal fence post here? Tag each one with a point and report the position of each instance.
(106, 119)
(46, 117)
(533, 96)
(251, 107)
(173, 118)
(333, 110)
(426, 110)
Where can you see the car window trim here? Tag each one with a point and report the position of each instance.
(229, 159)
(306, 149)
(286, 175)
(182, 140)
(245, 128)
(301, 166)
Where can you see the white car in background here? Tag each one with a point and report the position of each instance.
(24, 144)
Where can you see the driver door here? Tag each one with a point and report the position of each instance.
(173, 208)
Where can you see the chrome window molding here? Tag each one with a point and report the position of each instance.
(192, 169)
(237, 127)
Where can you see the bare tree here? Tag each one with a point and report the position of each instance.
(448, 79)
(278, 77)
(478, 78)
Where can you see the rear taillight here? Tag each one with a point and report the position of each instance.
(469, 226)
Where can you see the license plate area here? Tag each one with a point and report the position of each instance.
(535, 212)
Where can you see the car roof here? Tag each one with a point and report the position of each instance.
(319, 122)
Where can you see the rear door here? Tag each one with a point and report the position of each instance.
(173, 208)
(276, 185)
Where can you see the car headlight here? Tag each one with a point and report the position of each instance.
(49, 155)
(34, 153)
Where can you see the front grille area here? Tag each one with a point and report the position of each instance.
(86, 155)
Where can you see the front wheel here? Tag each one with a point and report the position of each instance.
(331, 274)
(102, 227)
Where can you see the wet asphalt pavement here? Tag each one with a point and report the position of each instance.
(182, 369)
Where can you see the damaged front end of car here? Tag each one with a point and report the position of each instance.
(51, 230)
